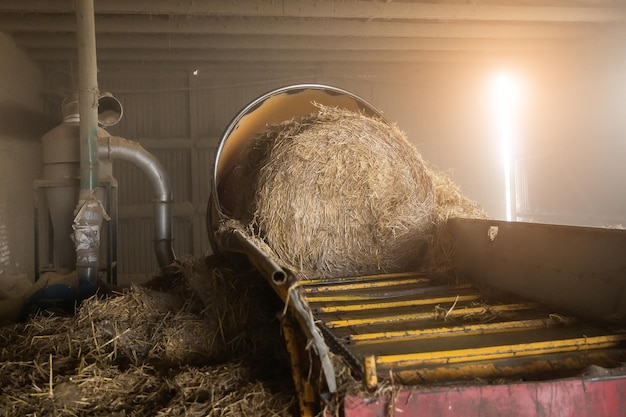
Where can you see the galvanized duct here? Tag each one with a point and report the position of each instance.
(113, 147)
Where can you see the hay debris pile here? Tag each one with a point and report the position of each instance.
(207, 347)
(339, 193)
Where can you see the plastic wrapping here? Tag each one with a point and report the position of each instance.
(86, 236)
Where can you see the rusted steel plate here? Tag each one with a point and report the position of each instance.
(592, 396)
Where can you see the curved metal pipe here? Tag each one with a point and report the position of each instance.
(113, 147)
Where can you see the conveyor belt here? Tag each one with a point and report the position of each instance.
(422, 329)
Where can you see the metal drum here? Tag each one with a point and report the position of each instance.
(277, 106)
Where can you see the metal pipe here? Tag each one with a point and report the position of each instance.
(88, 94)
(236, 241)
(89, 218)
(113, 147)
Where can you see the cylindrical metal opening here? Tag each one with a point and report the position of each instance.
(110, 110)
(274, 107)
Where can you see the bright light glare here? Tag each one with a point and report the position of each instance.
(506, 96)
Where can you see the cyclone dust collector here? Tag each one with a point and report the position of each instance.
(57, 193)
(61, 187)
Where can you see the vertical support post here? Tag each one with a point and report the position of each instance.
(89, 216)
(87, 94)
(198, 232)
(370, 376)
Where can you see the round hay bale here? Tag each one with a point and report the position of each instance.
(338, 193)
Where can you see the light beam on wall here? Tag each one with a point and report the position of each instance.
(506, 97)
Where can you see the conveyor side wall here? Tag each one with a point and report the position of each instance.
(579, 270)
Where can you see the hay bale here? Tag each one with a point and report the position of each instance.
(339, 193)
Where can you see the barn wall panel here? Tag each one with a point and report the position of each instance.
(156, 106)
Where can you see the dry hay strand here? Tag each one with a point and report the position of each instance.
(338, 193)
(237, 302)
(189, 339)
(142, 352)
(144, 325)
(226, 390)
(96, 390)
(449, 202)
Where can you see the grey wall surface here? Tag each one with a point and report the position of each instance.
(21, 125)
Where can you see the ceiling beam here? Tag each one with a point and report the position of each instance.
(212, 56)
(232, 74)
(346, 9)
(293, 27)
(235, 42)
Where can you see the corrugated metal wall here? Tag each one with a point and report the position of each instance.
(5, 252)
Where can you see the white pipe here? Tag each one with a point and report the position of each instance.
(89, 216)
